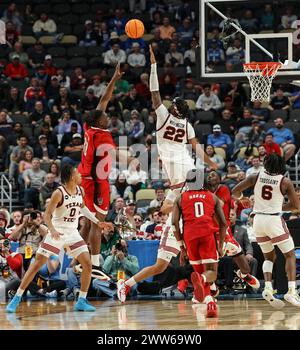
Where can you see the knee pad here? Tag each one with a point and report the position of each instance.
(267, 266)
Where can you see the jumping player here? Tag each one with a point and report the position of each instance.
(232, 247)
(197, 207)
(94, 168)
(61, 218)
(270, 187)
(173, 132)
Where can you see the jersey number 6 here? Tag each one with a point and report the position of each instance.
(174, 134)
(266, 192)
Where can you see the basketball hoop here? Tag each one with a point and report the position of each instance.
(260, 76)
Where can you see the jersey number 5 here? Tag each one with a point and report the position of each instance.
(199, 209)
(266, 192)
(174, 134)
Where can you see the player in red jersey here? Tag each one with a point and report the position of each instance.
(232, 247)
(97, 157)
(198, 207)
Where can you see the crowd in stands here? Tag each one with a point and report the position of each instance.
(48, 87)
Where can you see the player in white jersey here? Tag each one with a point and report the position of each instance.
(270, 187)
(61, 217)
(173, 133)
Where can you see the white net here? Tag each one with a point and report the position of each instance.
(260, 76)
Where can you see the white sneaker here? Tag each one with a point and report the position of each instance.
(52, 294)
(195, 301)
(268, 295)
(292, 297)
(121, 290)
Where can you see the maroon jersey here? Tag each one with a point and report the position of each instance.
(96, 159)
(223, 193)
(198, 209)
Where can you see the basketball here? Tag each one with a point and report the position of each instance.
(134, 28)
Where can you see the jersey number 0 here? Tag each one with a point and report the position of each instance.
(199, 209)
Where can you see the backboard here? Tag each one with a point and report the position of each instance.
(263, 43)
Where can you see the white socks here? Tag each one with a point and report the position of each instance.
(204, 278)
(208, 299)
(82, 295)
(20, 292)
(95, 260)
(292, 285)
(268, 285)
(130, 282)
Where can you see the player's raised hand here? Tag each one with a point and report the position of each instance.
(106, 226)
(55, 234)
(213, 165)
(152, 56)
(118, 73)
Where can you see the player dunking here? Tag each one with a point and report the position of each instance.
(270, 187)
(173, 132)
(232, 248)
(197, 207)
(95, 167)
(61, 218)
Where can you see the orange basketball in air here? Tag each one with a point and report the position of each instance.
(134, 28)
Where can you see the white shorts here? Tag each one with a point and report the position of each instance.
(73, 243)
(271, 230)
(177, 170)
(168, 247)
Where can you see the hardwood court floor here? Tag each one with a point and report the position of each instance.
(144, 314)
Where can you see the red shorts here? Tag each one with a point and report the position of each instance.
(202, 250)
(96, 195)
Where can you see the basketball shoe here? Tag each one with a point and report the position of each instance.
(249, 279)
(292, 297)
(122, 290)
(197, 281)
(13, 304)
(182, 286)
(83, 305)
(211, 309)
(268, 295)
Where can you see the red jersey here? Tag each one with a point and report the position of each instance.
(198, 209)
(223, 193)
(96, 159)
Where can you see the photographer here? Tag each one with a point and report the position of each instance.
(119, 262)
(29, 234)
(10, 266)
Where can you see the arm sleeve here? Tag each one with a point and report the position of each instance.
(162, 113)
(87, 213)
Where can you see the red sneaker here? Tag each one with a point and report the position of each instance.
(197, 281)
(249, 279)
(122, 290)
(182, 285)
(212, 310)
(215, 292)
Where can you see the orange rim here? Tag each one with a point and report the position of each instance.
(262, 65)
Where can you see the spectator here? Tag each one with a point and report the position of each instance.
(36, 55)
(245, 213)
(44, 151)
(132, 101)
(108, 241)
(30, 91)
(63, 79)
(117, 23)
(90, 101)
(295, 99)
(249, 137)
(261, 153)
(34, 179)
(174, 57)
(16, 70)
(256, 167)
(138, 220)
(113, 213)
(258, 112)
(72, 152)
(14, 103)
(25, 163)
(230, 177)
(284, 138)
(235, 53)
(119, 260)
(226, 122)
(142, 90)
(98, 87)
(89, 37)
(167, 89)
(208, 100)
(127, 44)
(215, 54)
(155, 217)
(135, 127)
(11, 14)
(116, 126)
(52, 91)
(36, 110)
(166, 30)
(270, 145)
(78, 80)
(218, 159)
(114, 55)
(135, 177)
(238, 97)
(38, 113)
(49, 69)
(241, 236)
(219, 139)
(48, 188)
(160, 197)
(44, 128)
(18, 50)
(267, 18)
(279, 101)
(189, 91)
(12, 35)
(41, 76)
(54, 169)
(136, 59)
(249, 23)
(158, 52)
(190, 54)
(120, 188)
(29, 235)
(17, 217)
(44, 26)
(288, 18)
(65, 123)
(186, 31)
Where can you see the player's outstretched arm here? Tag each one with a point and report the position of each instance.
(56, 198)
(293, 203)
(202, 154)
(242, 186)
(109, 89)
(154, 86)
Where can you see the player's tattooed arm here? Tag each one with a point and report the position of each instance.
(293, 203)
(237, 191)
(154, 86)
(55, 200)
(102, 105)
